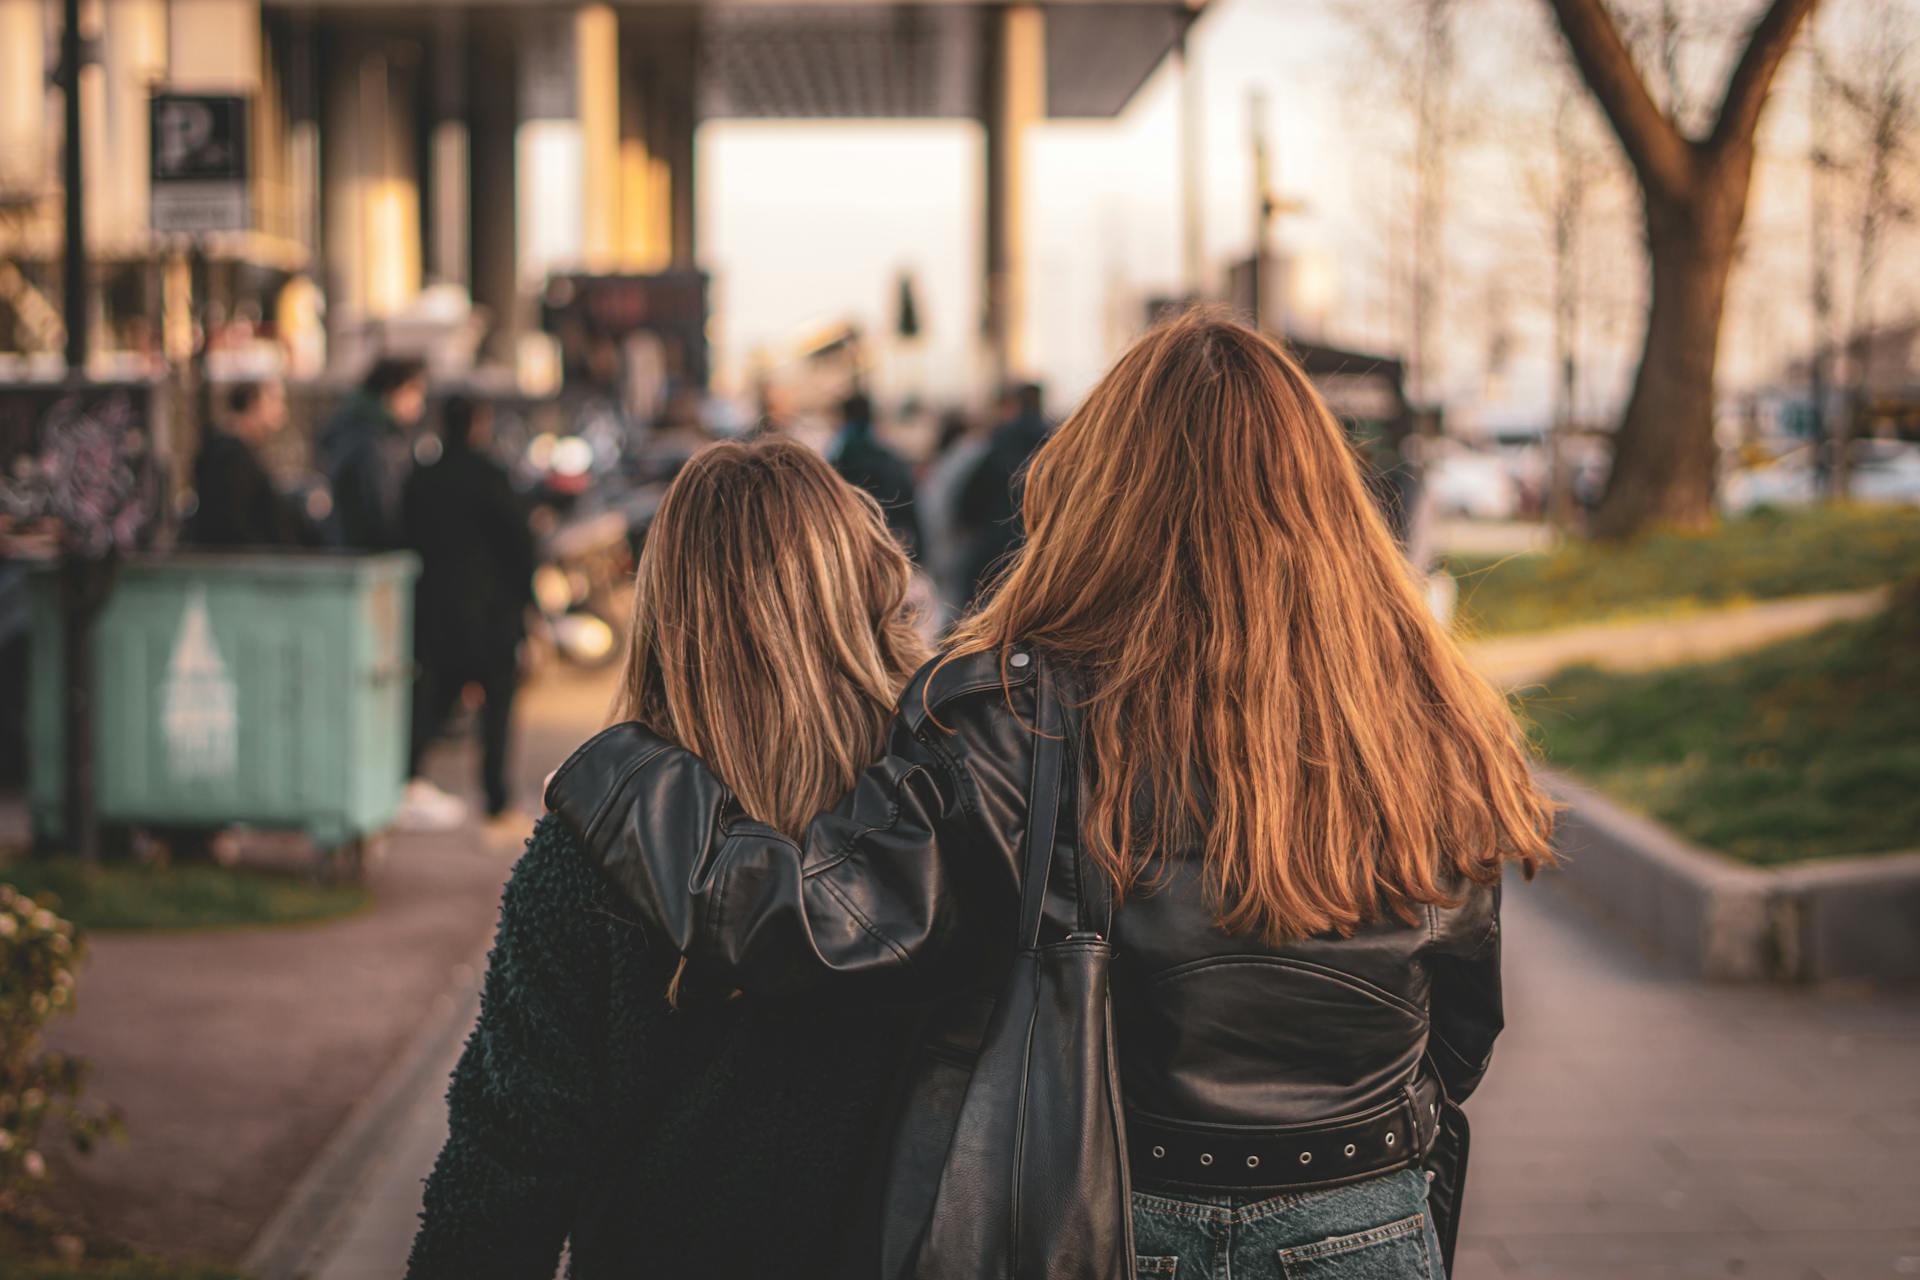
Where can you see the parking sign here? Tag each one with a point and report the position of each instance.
(199, 163)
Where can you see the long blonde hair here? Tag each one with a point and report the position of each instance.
(1263, 680)
(771, 630)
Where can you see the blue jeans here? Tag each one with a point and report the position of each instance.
(1373, 1230)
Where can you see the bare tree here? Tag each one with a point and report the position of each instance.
(1694, 189)
(1874, 90)
(1413, 43)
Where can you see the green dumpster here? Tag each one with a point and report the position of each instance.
(270, 690)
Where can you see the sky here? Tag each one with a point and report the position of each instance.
(806, 224)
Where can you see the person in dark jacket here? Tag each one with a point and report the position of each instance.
(1300, 792)
(237, 503)
(365, 451)
(988, 508)
(612, 1097)
(476, 580)
(867, 464)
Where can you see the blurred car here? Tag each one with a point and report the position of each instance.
(1480, 485)
(1883, 471)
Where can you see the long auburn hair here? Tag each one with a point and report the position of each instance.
(1261, 677)
(771, 630)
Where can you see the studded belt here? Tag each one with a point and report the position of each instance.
(1181, 1155)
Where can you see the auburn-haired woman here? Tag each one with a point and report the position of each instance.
(1285, 767)
(724, 1137)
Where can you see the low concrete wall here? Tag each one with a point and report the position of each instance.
(1718, 919)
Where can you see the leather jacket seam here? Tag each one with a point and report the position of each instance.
(580, 753)
(847, 848)
(1353, 982)
(923, 708)
(590, 832)
(846, 903)
(1461, 1058)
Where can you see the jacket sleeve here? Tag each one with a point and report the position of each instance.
(1467, 1014)
(866, 901)
(524, 1105)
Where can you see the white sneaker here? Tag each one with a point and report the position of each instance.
(425, 807)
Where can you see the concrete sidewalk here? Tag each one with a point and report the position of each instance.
(237, 1054)
(1634, 1125)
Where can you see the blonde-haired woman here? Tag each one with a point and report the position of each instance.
(771, 638)
(1302, 795)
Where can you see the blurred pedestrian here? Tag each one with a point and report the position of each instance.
(236, 501)
(949, 550)
(476, 573)
(988, 509)
(609, 1099)
(365, 451)
(867, 464)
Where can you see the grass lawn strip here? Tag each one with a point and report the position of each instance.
(1805, 749)
(134, 896)
(1767, 556)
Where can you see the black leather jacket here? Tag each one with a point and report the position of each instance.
(911, 884)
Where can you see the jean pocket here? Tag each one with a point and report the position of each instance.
(1397, 1251)
(1156, 1266)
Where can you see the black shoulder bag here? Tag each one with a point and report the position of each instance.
(1034, 1185)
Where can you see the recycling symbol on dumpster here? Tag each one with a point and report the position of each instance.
(199, 708)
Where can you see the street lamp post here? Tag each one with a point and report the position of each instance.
(74, 268)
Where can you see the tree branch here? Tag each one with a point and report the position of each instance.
(1753, 74)
(1659, 154)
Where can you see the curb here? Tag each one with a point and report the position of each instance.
(293, 1240)
(1723, 921)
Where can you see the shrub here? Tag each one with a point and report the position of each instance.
(38, 954)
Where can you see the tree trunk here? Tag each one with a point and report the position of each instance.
(1664, 455)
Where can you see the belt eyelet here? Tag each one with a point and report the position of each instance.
(1253, 1162)
(1389, 1139)
(1306, 1157)
(1159, 1153)
(1349, 1148)
(1206, 1157)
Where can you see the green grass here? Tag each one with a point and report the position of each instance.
(1765, 556)
(27, 1253)
(1808, 748)
(131, 896)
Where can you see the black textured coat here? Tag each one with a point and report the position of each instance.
(724, 1139)
(476, 559)
(238, 503)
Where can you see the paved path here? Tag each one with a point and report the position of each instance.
(237, 1054)
(1661, 642)
(1635, 1126)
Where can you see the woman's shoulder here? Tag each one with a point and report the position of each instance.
(553, 873)
(954, 681)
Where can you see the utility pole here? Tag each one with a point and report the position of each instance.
(1192, 231)
(74, 267)
(1262, 208)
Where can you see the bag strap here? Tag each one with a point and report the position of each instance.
(1091, 892)
(1043, 805)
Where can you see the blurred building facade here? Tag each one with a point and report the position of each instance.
(421, 171)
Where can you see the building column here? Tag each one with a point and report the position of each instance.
(681, 120)
(549, 181)
(1014, 100)
(645, 232)
(303, 135)
(372, 218)
(492, 253)
(26, 146)
(133, 55)
(597, 55)
(449, 255)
